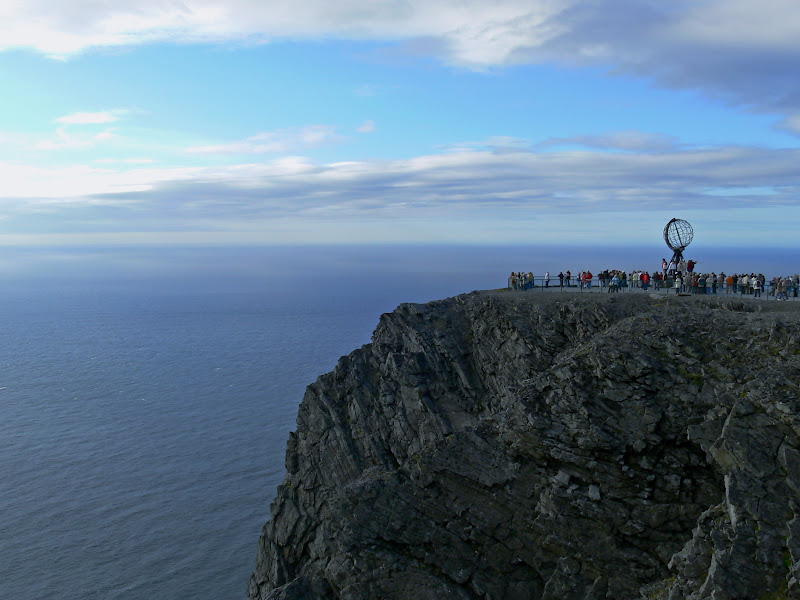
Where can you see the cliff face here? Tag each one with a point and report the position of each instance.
(554, 446)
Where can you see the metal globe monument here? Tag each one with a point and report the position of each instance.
(678, 234)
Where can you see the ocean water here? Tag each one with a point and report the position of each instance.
(146, 396)
(145, 403)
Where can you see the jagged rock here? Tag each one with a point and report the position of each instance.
(556, 446)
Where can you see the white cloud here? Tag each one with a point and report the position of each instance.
(72, 135)
(92, 118)
(60, 29)
(501, 144)
(620, 140)
(367, 126)
(774, 24)
(271, 142)
(739, 51)
(555, 182)
(65, 140)
(473, 187)
(471, 32)
(791, 123)
(80, 184)
(125, 161)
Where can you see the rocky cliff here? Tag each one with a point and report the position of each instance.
(545, 445)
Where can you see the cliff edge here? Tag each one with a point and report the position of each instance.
(503, 445)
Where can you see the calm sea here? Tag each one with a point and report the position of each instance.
(146, 396)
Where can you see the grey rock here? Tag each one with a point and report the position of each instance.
(520, 445)
(594, 493)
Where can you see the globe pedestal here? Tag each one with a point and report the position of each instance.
(677, 257)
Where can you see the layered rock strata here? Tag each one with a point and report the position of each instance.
(510, 446)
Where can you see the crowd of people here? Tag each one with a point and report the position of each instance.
(585, 279)
(681, 277)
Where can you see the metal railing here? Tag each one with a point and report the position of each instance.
(666, 285)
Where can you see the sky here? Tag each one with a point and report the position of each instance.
(247, 122)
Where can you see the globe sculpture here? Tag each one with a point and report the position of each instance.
(677, 234)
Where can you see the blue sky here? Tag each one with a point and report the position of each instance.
(549, 121)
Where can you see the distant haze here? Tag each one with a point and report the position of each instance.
(297, 271)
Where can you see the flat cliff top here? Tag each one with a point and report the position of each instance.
(634, 299)
(550, 445)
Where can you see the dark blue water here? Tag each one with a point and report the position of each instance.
(146, 397)
(144, 410)
(141, 437)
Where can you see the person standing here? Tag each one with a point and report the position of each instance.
(547, 279)
(614, 283)
(780, 290)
